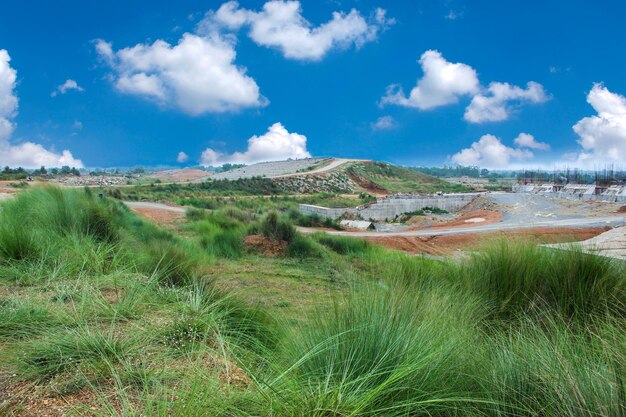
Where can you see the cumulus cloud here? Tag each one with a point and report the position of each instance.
(8, 100)
(443, 83)
(275, 145)
(68, 85)
(198, 75)
(603, 136)
(384, 123)
(525, 140)
(28, 154)
(497, 102)
(280, 25)
(34, 155)
(182, 157)
(490, 152)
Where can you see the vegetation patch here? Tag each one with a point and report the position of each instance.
(112, 315)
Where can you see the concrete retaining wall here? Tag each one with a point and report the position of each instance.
(391, 207)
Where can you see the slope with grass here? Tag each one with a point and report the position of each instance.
(104, 314)
(391, 179)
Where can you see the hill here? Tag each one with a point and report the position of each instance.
(313, 175)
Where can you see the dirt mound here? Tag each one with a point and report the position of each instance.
(265, 246)
(481, 202)
(622, 209)
(425, 221)
(472, 218)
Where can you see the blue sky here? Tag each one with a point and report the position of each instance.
(265, 81)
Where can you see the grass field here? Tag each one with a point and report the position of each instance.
(105, 314)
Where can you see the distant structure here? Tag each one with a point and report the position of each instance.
(608, 184)
(588, 192)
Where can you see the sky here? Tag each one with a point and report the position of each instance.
(489, 83)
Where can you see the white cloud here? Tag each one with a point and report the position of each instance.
(210, 157)
(443, 83)
(28, 154)
(68, 85)
(198, 75)
(275, 145)
(280, 25)
(8, 100)
(33, 155)
(384, 123)
(77, 125)
(525, 140)
(490, 152)
(603, 136)
(498, 101)
(182, 157)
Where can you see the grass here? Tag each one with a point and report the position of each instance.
(153, 322)
(396, 179)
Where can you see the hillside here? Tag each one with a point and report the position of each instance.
(394, 179)
(337, 175)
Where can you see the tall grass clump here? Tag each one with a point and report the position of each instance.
(219, 235)
(45, 213)
(275, 227)
(304, 247)
(344, 245)
(22, 318)
(383, 353)
(520, 278)
(549, 368)
(64, 350)
(208, 318)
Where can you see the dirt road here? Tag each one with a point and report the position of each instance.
(336, 163)
(154, 206)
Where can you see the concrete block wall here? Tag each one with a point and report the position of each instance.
(389, 208)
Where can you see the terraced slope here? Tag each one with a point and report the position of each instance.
(273, 169)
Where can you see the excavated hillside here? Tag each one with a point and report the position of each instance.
(353, 176)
